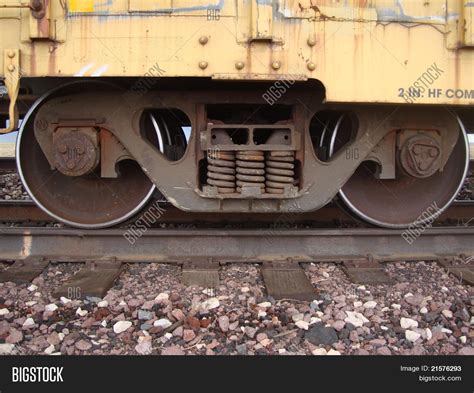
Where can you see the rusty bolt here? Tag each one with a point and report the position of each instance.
(311, 41)
(36, 5)
(203, 65)
(75, 153)
(420, 156)
(203, 40)
(11, 67)
(239, 65)
(38, 9)
(276, 65)
(11, 54)
(311, 66)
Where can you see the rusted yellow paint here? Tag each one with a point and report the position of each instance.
(364, 50)
(262, 21)
(468, 13)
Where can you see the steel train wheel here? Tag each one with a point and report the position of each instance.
(87, 201)
(405, 200)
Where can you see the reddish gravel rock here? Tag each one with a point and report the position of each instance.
(224, 323)
(172, 351)
(383, 351)
(83, 345)
(178, 314)
(4, 328)
(101, 313)
(193, 322)
(205, 322)
(469, 351)
(178, 332)
(144, 347)
(414, 300)
(54, 338)
(14, 337)
(188, 335)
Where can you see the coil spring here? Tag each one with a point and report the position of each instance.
(280, 171)
(250, 169)
(221, 171)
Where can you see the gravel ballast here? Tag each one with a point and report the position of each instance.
(149, 311)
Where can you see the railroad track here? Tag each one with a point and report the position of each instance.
(26, 212)
(361, 253)
(204, 241)
(233, 245)
(7, 164)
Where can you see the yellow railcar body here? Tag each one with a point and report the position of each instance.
(387, 51)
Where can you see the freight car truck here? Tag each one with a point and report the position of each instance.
(239, 106)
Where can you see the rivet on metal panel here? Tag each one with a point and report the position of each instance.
(11, 54)
(203, 64)
(311, 66)
(276, 65)
(239, 65)
(311, 41)
(203, 40)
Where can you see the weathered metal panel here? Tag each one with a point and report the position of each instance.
(144, 5)
(114, 8)
(406, 11)
(262, 20)
(468, 22)
(362, 51)
(210, 8)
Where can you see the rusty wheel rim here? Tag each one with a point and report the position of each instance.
(406, 201)
(90, 201)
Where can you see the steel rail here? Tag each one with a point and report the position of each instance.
(171, 246)
(7, 164)
(25, 211)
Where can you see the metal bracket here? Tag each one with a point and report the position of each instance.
(111, 152)
(384, 155)
(261, 27)
(39, 21)
(11, 72)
